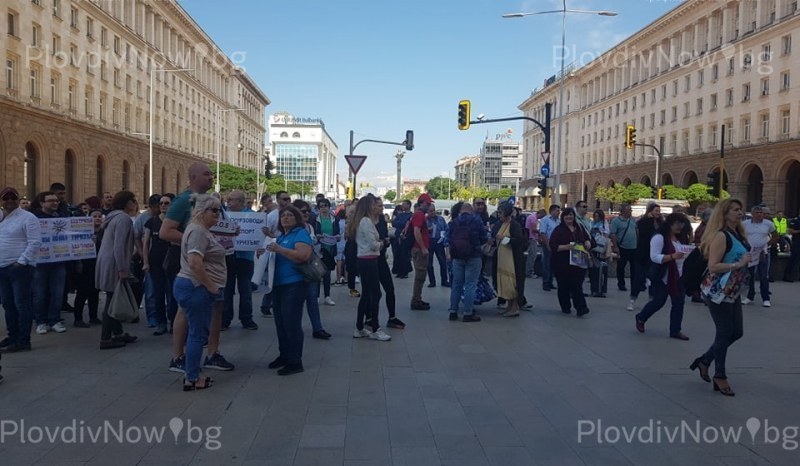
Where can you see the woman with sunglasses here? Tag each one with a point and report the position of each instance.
(312, 288)
(114, 263)
(289, 289)
(200, 283)
(326, 225)
(155, 251)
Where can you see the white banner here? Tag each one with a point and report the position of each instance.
(66, 239)
(250, 236)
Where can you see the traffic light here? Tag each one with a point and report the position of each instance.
(463, 115)
(630, 137)
(409, 142)
(543, 187)
(712, 182)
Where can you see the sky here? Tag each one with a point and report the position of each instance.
(380, 67)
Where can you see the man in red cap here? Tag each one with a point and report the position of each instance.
(419, 252)
(20, 237)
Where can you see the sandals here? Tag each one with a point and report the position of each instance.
(192, 386)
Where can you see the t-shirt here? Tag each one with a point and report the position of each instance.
(548, 225)
(625, 240)
(180, 210)
(285, 270)
(419, 220)
(198, 240)
(758, 234)
(532, 225)
(158, 247)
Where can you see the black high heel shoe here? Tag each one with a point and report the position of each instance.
(727, 391)
(697, 363)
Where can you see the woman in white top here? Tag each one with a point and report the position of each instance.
(667, 251)
(368, 244)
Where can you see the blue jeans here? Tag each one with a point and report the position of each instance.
(312, 305)
(660, 292)
(763, 278)
(465, 279)
(438, 251)
(240, 271)
(161, 293)
(287, 301)
(49, 281)
(547, 279)
(149, 298)
(198, 304)
(17, 298)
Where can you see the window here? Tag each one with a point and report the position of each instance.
(663, 92)
(103, 36)
(728, 97)
(746, 92)
(117, 79)
(102, 70)
(765, 86)
(747, 61)
(687, 83)
(11, 73)
(57, 8)
(102, 113)
(713, 99)
(12, 24)
(712, 135)
(785, 81)
(34, 82)
(686, 110)
(652, 96)
(786, 44)
(766, 52)
(116, 45)
(138, 89)
(633, 103)
(715, 72)
(701, 77)
(765, 125)
(785, 122)
(71, 96)
(699, 106)
(699, 138)
(731, 66)
(128, 84)
(73, 55)
(36, 35)
(663, 117)
(55, 89)
(674, 113)
(55, 45)
(88, 102)
(73, 17)
(674, 88)
(89, 28)
(729, 133)
(746, 129)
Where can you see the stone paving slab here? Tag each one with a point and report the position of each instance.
(499, 392)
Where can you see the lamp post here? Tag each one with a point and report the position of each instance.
(399, 155)
(152, 106)
(563, 11)
(219, 148)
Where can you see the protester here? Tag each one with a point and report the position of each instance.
(546, 227)
(563, 240)
(667, 252)
(293, 247)
(341, 220)
(466, 235)
(438, 247)
(726, 247)
(326, 228)
(200, 283)
(154, 253)
(598, 269)
(385, 274)
(114, 263)
(20, 238)
(49, 279)
(87, 292)
(532, 226)
(646, 227)
(419, 252)
(509, 258)
(240, 266)
(351, 255)
(139, 236)
(311, 288)
(762, 234)
(401, 256)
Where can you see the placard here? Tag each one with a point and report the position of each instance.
(66, 239)
(250, 236)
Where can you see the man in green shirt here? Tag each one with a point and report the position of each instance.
(623, 243)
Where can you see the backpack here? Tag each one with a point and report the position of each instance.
(695, 267)
(461, 246)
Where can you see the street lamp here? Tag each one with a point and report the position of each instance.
(219, 145)
(563, 12)
(153, 72)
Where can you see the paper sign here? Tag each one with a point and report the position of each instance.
(250, 236)
(66, 239)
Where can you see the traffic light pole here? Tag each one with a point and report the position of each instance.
(659, 154)
(721, 160)
(409, 146)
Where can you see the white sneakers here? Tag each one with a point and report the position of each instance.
(363, 333)
(380, 335)
(58, 327)
(746, 301)
(328, 301)
(630, 304)
(767, 303)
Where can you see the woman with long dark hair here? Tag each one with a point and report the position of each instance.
(568, 235)
(646, 227)
(667, 251)
(509, 259)
(725, 245)
(369, 245)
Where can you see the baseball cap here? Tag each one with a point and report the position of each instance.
(425, 197)
(9, 190)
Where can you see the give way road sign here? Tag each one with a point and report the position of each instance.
(355, 162)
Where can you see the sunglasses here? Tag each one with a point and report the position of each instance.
(214, 210)
(163, 203)
(304, 211)
(286, 199)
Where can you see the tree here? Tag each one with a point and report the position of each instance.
(636, 191)
(674, 192)
(613, 194)
(390, 195)
(241, 179)
(412, 195)
(269, 168)
(441, 187)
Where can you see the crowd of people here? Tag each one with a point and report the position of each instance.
(177, 258)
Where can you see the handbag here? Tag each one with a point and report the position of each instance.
(123, 306)
(488, 248)
(720, 286)
(578, 257)
(313, 269)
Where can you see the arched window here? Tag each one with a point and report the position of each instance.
(101, 176)
(126, 175)
(295, 135)
(69, 174)
(29, 170)
(284, 134)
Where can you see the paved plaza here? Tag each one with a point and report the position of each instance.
(543, 388)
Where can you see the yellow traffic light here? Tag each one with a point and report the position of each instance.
(630, 137)
(463, 115)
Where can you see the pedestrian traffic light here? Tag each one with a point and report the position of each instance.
(463, 115)
(713, 184)
(630, 137)
(409, 142)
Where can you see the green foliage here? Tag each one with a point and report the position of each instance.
(390, 195)
(269, 168)
(241, 179)
(618, 193)
(674, 192)
(698, 192)
(412, 195)
(637, 191)
(440, 187)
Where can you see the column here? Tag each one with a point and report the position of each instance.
(760, 14)
(726, 25)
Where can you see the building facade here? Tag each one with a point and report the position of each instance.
(303, 151)
(501, 163)
(467, 171)
(701, 67)
(75, 98)
(411, 185)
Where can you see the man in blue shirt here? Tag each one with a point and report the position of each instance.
(546, 227)
(240, 271)
(624, 238)
(438, 244)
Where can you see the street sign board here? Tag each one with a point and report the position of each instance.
(546, 157)
(545, 170)
(355, 162)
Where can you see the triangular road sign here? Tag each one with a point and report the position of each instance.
(355, 162)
